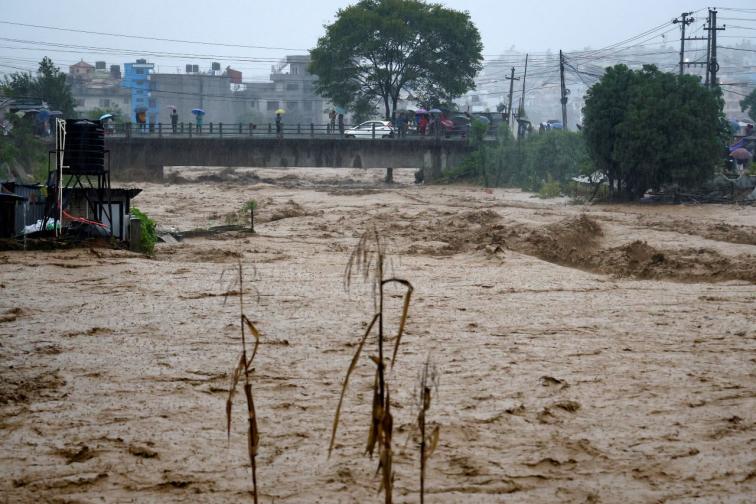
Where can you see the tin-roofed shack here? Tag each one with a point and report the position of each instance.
(24, 205)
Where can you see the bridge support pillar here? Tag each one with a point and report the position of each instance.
(434, 163)
(389, 176)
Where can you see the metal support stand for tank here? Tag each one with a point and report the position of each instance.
(81, 150)
(211, 128)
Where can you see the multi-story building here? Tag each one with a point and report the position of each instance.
(225, 99)
(94, 87)
(291, 88)
(136, 79)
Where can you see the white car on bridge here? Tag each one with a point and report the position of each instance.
(383, 129)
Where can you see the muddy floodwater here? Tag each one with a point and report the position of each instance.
(587, 353)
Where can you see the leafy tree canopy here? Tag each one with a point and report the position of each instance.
(748, 104)
(647, 128)
(377, 48)
(48, 85)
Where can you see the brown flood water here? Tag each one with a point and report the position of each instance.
(600, 353)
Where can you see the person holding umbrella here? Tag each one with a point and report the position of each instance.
(741, 156)
(199, 114)
(279, 122)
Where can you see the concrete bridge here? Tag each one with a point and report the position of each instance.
(143, 158)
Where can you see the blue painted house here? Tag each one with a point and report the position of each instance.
(137, 78)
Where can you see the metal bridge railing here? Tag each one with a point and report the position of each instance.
(269, 130)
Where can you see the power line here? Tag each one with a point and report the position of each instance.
(142, 37)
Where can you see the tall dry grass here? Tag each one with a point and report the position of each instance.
(368, 261)
(244, 368)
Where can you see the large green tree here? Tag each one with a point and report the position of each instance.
(48, 85)
(748, 104)
(377, 48)
(647, 128)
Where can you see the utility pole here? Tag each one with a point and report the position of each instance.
(521, 111)
(713, 67)
(525, 76)
(511, 80)
(708, 47)
(564, 90)
(684, 21)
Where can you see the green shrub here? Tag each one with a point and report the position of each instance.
(149, 233)
(550, 189)
(528, 163)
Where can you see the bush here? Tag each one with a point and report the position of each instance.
(529, 163)
(550, 189)
(149, 233)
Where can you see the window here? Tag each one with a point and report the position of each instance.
(292, 86)
(272, 105)
(292, 105)
(252, 104)
(153, 103)
(104, 102)
(307, 106)
(140, 71)
(80, 103)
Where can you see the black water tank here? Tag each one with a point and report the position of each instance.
(84, 151)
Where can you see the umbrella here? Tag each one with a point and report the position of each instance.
(483, 119)
(741, 154)
(106, 116)
(435, 111)
(170, 106)
(339, 110)
(280, 111)
(198, 111)
(421, 111)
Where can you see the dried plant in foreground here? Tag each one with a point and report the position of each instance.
(428, 443)
(368, 260)
(244, 368)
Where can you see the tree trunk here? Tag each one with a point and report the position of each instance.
(386, 105)
(394, 99)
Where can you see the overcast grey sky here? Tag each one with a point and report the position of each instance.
(293, 26)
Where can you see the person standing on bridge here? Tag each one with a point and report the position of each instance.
(174, 120)
(279, 125)
(331, 121)
(199, 123)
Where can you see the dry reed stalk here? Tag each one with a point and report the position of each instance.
(244, 368)
(368, 260)
(428, 444)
